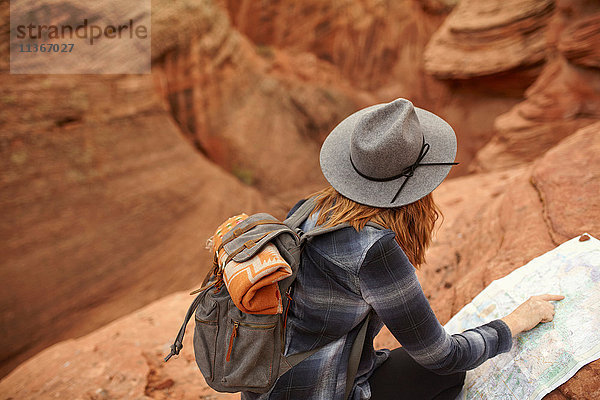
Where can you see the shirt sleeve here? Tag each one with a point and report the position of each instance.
(389, 284)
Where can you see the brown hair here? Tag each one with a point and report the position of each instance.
(412, 223)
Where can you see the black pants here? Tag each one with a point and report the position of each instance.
(400, 377)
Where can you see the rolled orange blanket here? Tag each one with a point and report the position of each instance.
(252, 284)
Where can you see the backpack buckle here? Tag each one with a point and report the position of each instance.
(237, 232)
(249, 244)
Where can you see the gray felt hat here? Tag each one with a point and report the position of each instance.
(388, 155)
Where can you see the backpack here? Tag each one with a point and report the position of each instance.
(236, 351)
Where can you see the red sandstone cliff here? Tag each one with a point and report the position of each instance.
(379, 46)
(105, 205)
(256, 111)
(555, 41)
(104, 208)
(502, 44)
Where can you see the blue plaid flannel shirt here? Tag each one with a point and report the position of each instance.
(344, 276)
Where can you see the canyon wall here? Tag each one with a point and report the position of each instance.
(105, 205)
(341, 56)
(257, 112)
(104, 208)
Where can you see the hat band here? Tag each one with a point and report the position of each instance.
(406, 172)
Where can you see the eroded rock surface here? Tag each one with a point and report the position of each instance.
(377, 46)
(258, 112)
(564, 98)
(105, 207)
(567, 179)
(481, 38)
(579, 44)
(372, 43)
(120, 361)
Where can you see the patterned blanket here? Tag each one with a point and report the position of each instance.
(252, 284)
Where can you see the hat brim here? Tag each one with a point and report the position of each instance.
(339, 172)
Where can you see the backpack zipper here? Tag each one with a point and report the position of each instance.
(203, 321)
(233, 336)
(287, 308)
(256, 326)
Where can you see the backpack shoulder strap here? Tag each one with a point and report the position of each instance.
(354, 360)
(320, 231)
(304, 210)
(301, 213)
(355, 355)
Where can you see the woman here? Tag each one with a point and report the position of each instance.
(382, 163)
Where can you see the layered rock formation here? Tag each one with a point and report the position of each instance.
(481, 38)
(494, 223)
(565, 96)
(256, 111)
(579, 44)
(372, 43)
(502, 46)
(379, 46)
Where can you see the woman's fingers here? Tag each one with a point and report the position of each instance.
(533, 311)
(547, 307)
(548, 314)
(550, 297)
(541, 309)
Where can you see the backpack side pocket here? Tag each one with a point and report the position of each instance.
(249, 359)
(205, 336)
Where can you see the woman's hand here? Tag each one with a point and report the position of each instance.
(533, 311)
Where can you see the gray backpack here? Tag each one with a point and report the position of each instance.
(239, 352)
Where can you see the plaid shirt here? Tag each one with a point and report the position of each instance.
(345, 275)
